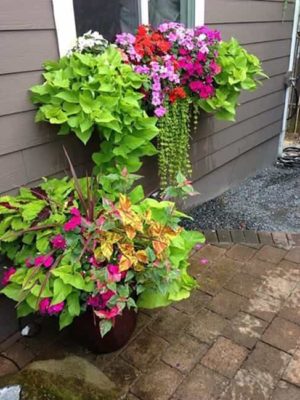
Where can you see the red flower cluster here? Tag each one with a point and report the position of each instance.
(177, 93)
(150, 43)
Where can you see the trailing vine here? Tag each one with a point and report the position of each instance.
(174, 143)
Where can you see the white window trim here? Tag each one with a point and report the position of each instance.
(199, 12)
(144, 12)
(66, 28)
(65, 25)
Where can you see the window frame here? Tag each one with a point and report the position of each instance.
(64, 17)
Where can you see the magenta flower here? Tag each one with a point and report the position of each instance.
(46, 308)
(94, 301)
(107, 296)
(7, 274)
(74, 221)
(48, 261)
(59, 242)
(198, 246)
(114, 273)
(44, 305)
(45, 261)
(56, 308)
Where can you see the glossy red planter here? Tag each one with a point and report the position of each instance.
(86, 331)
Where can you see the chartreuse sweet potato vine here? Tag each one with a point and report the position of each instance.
(84, 93)
(239, 71)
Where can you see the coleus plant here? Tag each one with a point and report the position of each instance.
(72, 248)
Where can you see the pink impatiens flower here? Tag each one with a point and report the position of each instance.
(56, 308)
(7, 275)
(44, 305)
(74, 221)
(46, 308)
(107, 296)
(59, 242)
(45, 261)
(109, 314)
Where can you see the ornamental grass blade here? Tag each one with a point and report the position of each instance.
(76, 182)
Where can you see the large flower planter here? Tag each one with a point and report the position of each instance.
(86, 331)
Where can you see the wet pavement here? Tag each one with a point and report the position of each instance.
(236, 338)
(268, 201)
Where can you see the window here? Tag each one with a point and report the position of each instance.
(109, 17)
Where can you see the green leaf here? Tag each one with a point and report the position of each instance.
(23, 310)
(152, 299)
(105, 326)
(12, 291)
(9, 236)
(137, 194)
(42, 244)
(32, 301)
(73, 304)
(60, 291)
(31, 210)
(65, 319)
(68, 96)
(75, 280)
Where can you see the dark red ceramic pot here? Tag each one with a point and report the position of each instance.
(86, 331)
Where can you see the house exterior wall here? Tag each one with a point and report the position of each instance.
(27, 150)
(222, 153)
(225, 153)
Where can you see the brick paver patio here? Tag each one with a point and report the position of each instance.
(236, 338)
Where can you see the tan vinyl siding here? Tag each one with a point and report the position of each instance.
(220, 146)
(27, 150)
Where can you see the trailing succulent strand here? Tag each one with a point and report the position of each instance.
(174, 143)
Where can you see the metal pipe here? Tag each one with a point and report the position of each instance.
(290, 71)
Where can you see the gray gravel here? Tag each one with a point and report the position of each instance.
(268, 201)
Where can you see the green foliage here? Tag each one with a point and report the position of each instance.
(84, 93)
(22, 216)
(74, 244)
(240, 71)
(174, 143)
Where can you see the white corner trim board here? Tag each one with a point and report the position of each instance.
(144, 12)
(65, 24)
(199, 12)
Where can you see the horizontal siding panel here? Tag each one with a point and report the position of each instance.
(49, 158)
(12, 171)
(19, 131)
(270, 50)
(276, 67)
(229, 11)
(26, 50)
(224, 138)
(26, 14)
(210, 125)
(255, 32)
(14, 91)
(225, 155)
(235, 171)
(269, 86)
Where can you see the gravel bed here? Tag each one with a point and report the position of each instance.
(268, 201)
